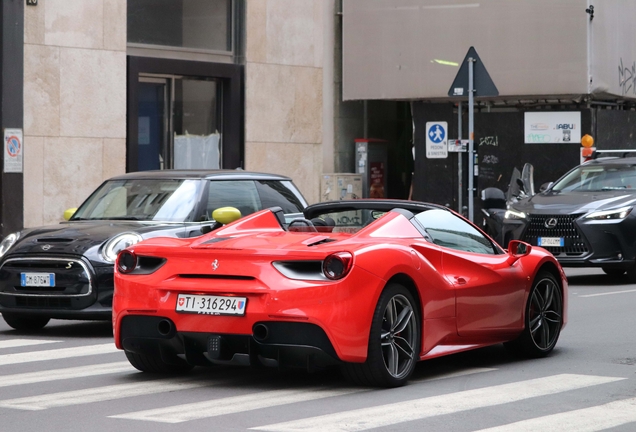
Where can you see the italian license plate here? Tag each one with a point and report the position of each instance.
(211, 305)
(551, 241)
(37, 279)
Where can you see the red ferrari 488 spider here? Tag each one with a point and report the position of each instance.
(371, 285)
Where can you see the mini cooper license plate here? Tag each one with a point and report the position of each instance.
(211, 305)
(37, 279)
(551, 241)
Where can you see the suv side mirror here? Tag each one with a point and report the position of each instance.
(545, 186)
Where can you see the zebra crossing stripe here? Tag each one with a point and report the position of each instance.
(99, 394)
(234, 404)
(55, 354)
(67, 373)
(591, 419)
(218, 407)
(455, 374)
(14, 343)
(399, 412)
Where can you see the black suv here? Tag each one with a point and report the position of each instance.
(585, 218)
(66, 271)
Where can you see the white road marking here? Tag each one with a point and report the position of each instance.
(455, 374)
(99, 394)
(67, 373)
(13, 343)
(218, 407)
(591, 419)
(390, 414)
(608, 293)
(62, 353)
(235, 404)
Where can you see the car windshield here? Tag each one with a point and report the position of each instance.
(595, 178)
(169, 200)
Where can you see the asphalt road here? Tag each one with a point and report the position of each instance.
(69, 377)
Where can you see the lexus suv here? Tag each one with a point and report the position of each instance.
(585, 219)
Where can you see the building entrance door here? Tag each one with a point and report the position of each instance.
(179, 124)
(153, 125)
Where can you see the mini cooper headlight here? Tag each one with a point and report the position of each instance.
(620, 213)
(118, 244)
(514, 214)
(8, 241)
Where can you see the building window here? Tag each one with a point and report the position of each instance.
(199, 25)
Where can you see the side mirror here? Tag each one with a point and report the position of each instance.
(545, 186)
(68, 213)
(518, 249)
(226, 215)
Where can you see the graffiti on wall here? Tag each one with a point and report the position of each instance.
(489, 141)
(627, 78)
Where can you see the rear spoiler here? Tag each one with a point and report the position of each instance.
(620, 153)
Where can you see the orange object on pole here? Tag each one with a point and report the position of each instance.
(587, 141)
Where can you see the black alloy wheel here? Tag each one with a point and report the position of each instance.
(25, 322)
(394, 341)
(544, 318)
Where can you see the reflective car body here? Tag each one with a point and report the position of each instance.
(585, 218)
(371, 285)
(66, 270)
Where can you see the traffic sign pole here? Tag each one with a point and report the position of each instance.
(471, 132)
(459, 160)
(472, 74)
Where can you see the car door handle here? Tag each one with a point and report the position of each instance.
(460, 280)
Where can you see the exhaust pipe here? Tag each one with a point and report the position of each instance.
(165, 327)
(261, 332)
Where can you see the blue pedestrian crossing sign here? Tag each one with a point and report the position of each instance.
(436, 140)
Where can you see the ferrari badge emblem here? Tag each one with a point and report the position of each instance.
(215, 264)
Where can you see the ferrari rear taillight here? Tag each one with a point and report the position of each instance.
(126, 261)
(337, 265)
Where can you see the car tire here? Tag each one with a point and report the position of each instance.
(24, 322)
(150, 364)
(543, 319)
(631, 274)
(614, 272)
(394, 341)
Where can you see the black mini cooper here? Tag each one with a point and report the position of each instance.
(65, 271)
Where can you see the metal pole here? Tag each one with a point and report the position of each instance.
(471, 131)
(459, 159)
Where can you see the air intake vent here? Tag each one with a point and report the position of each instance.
(327, 240)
